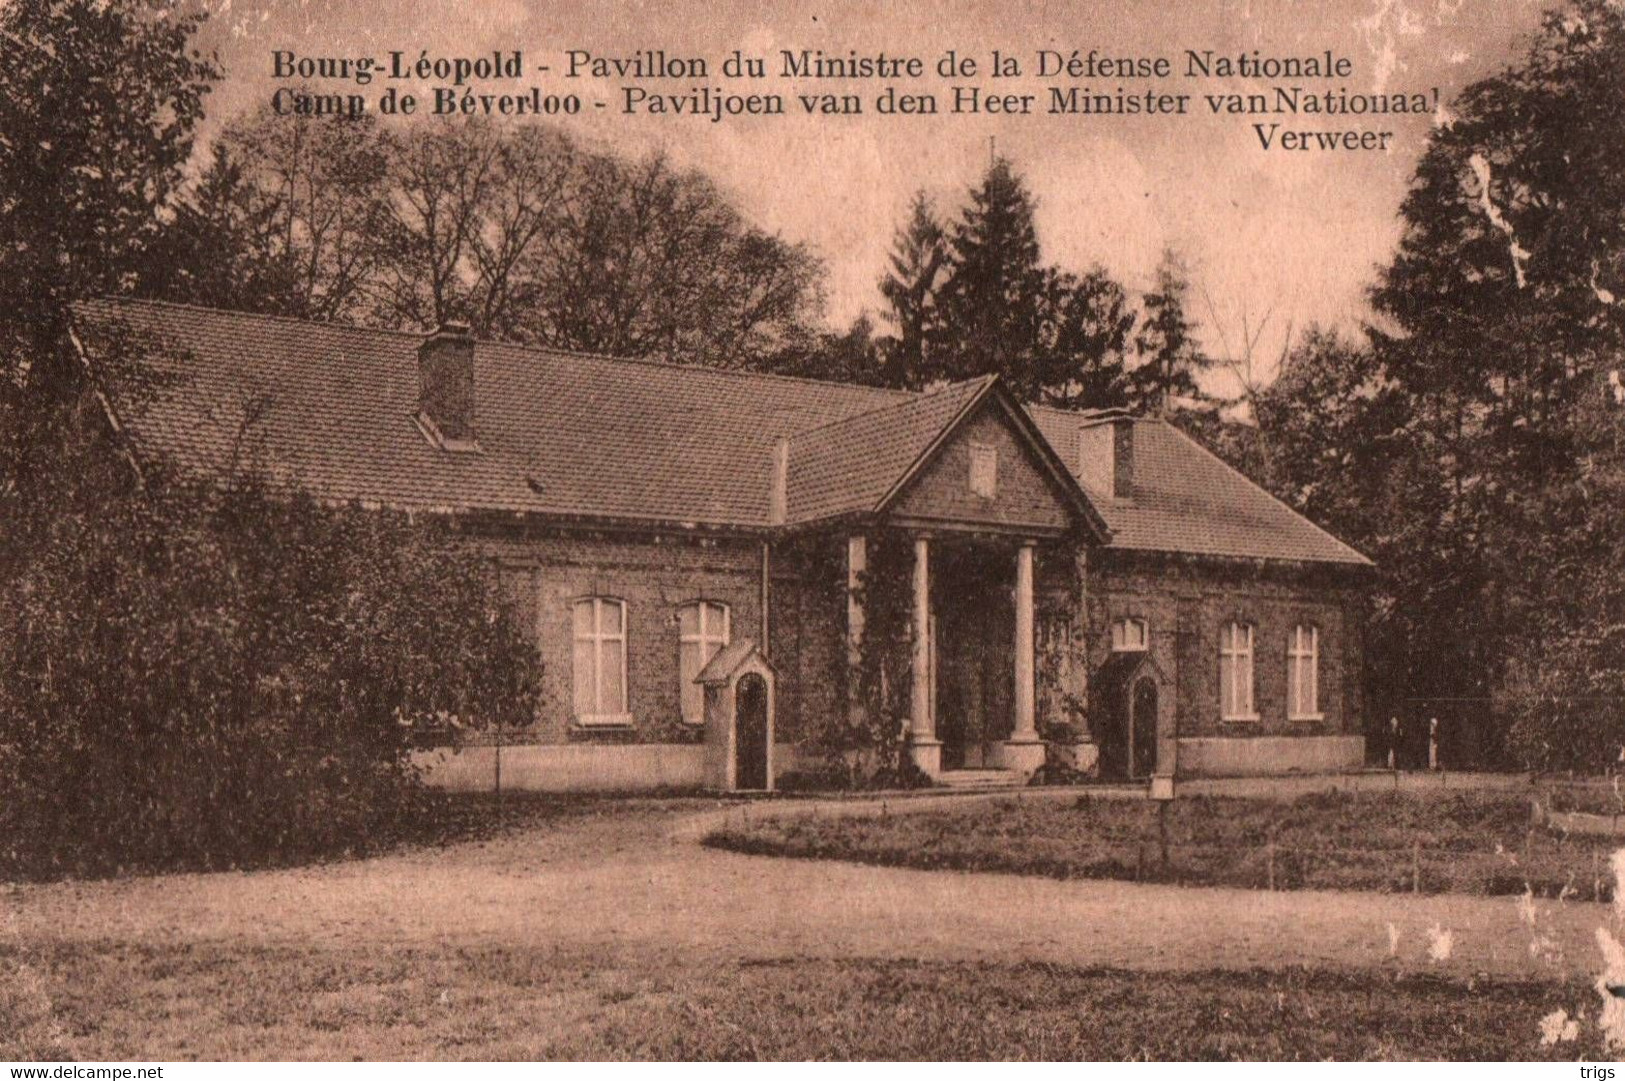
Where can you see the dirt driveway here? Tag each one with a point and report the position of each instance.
(632, 878)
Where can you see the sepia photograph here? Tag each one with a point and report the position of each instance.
(811, 531)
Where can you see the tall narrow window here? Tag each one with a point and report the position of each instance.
(600, 661)
(1236, 672)
(1303, 674)
(702, 629)
(1129, 636)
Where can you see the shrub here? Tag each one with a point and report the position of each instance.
(1567, 701)
(212, 678)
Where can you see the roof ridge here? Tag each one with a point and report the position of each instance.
(529, 347)
(913, 396)
(241, 313)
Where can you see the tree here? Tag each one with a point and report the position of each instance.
(1513, 234)
(315, 198)
(918, 258)
(851, 356)
(98, 104)
(1169, 357)
(533, 168)
(648, 260)
(1504, 301)
(1565, 688)
(214, 676)
(511, 228)
(1083, 341)
(1464, 447)
(1336, 428)
(440, 182)
(991, 303)
(991, 306)
(470, 207)
(223, 249)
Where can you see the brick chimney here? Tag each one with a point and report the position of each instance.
(1106, 453)
(446, 382)
(1122, 457)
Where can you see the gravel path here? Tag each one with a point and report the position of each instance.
(633, 878)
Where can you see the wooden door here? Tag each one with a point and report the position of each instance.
(1143, 727)
(750, 732)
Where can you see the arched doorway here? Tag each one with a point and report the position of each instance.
(1130, 685)
(1143, 728)
(750, 732)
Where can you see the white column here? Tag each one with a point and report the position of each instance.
(922, 726)
(1026, 726)
(857, 562)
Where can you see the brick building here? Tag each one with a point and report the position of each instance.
(1016, 581)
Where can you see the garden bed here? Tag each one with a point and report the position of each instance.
(1475, 842)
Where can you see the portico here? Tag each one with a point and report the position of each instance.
(965, 526)
(989, 727)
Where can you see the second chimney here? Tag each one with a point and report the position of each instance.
(446, 381)
(1122, 457)
(1106, 454)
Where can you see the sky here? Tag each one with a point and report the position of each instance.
(1274, 239)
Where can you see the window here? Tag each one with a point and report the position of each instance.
(600, 661)
(1129, 636)
(702, 629)
(1236, 673)
(1303, 674)
(984, 470)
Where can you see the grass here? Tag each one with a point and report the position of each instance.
(235, 1002)
(430, 819)
(1477, 842)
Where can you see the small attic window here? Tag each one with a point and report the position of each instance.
(984, 470)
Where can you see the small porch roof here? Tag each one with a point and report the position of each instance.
(730, 660)
(1123, 668)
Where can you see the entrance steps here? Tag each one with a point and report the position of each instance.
(979, 780)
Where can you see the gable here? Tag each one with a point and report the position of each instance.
(1024, 496)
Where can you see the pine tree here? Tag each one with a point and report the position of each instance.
(1169, 356)
(975, 300)
(991, 304)
(919, 255)
(1087, 323)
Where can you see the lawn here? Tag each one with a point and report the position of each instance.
(216, 1001)
(587, 929)
(430, 819)
(1473, 842)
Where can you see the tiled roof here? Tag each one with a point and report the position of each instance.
(574, 435)
(1185, 499)
(726, 661)
(563, 434)
(850, 465)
